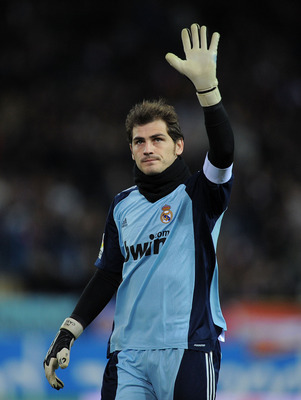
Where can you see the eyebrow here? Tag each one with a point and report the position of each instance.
(151, 137)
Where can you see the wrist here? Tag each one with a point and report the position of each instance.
(73, 326)
(209, 97)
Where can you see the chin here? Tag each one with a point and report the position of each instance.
(151, 171)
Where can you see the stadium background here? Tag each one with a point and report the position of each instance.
(70, 71)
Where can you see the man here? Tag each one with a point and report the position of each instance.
(159, 252)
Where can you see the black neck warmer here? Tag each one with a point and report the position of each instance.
(154, 187)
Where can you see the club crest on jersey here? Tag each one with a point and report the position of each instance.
(166, 215)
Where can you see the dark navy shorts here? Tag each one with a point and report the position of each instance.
(165, 374)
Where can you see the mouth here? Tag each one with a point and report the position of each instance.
(149, 160)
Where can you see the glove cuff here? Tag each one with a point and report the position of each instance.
(209, 98)
(73, 326)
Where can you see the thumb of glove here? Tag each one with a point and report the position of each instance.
(175, 62)
(63, 356)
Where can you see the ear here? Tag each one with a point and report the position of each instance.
(132, 152)
(179, 147)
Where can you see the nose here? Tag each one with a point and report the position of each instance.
(147, 148)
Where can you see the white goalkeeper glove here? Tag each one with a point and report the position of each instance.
(58, 354)
(200, 63)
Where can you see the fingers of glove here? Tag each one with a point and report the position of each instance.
(195, 28)
(54, 381)
(185, 34)
(203, 34)
(214, 42)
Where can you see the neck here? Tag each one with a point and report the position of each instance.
(154, 187)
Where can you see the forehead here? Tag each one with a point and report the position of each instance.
(152, 128)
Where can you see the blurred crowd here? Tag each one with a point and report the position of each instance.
(69, 74)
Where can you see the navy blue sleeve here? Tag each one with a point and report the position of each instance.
(106, 279)
(209, 198)
(110, 258)
(217, 196)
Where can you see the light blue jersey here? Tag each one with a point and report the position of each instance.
(166, 250)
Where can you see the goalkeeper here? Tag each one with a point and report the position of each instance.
(159, 252)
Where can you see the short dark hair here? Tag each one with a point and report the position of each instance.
(152, 110)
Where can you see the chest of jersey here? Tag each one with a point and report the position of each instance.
(144, 227)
